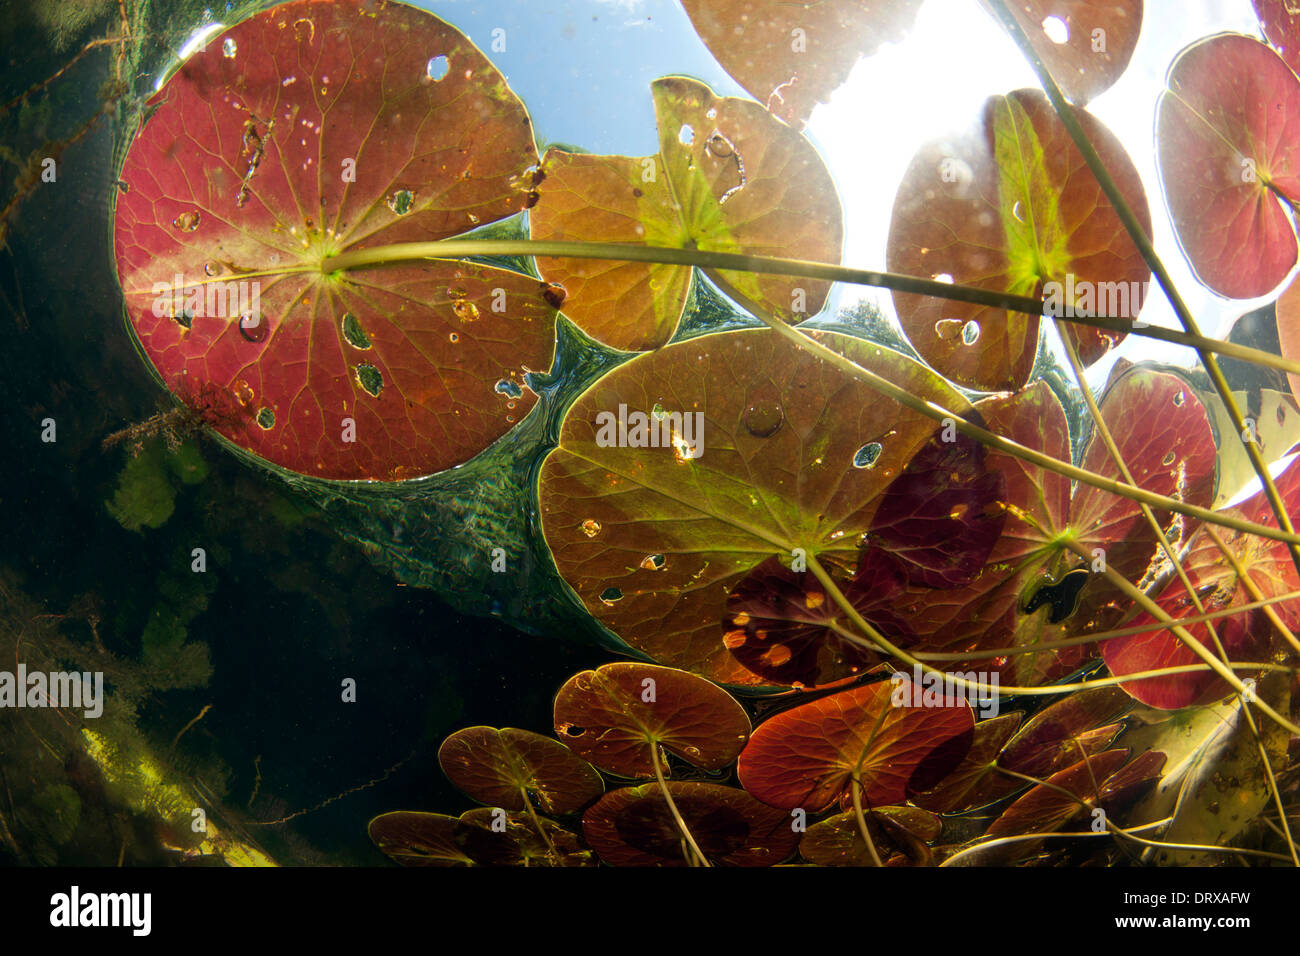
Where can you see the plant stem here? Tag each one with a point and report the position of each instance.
(672, 808)
(768, 265)
(862, 822)
(528, 805)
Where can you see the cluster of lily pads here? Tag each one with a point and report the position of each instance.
(853, 510)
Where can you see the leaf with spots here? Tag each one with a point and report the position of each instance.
(301, 133)
(634, 826)
(614, 715)
(780, 436)
(1228, 151)
(508, 768)
(811, 755)
(792, 56)
(728, 177)
(1086, 44)
(1010, 206)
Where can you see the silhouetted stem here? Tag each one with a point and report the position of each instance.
(541, 831)
(862, 822)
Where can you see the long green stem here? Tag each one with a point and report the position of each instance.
(856, 789)
(1144, 246)
(769, 265)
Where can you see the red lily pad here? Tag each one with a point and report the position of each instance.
(1228, 150)
(505, 768)
(1045, 808)
(808, 756)
(1010, 206)
(794, 455)
(728, 178)
(614, 715)
(1245, 636)
(307, 131)
(492, 837)
(412, 838)
(1086, 44)
(1280, 20)
(792, 56)
(634, 826)
(900, 835)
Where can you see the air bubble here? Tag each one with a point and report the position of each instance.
(591, 527)
(764, 419)
(465, 311)
(228, 48)
(252, 327)
(187, 221)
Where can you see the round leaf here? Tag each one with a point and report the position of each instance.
(498, 767)
(613, 715)
(794, 454)
(634, 826)
(1228, 149)
(309, 130)
(1010, 206)
(1086, 44)
(807, 756)
(412, 838)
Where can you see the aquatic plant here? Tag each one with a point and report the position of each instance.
(308, 236)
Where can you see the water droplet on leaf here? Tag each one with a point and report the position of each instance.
(764, 419)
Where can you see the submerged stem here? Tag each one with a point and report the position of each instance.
(672, 808)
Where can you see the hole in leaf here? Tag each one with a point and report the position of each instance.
(465, 310)
(1179, 399)
(591, 527)
(370, 378)
(1168, 459)
(265, 419)
(353, 333)
(507, 387)
(187, 221)
(942, 277)
(610, 596)
(400, 201)
(868, 455)
(686, 135)
(970, 332)
(184, 318)
(229, 49)
(1057, 30)
(572, 730)
(437, 68)
(653, 562)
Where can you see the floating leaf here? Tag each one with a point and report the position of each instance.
(502, 767)
(1227, 132)
(751, 494)
(307, 131)
(1086, 44)
(1066, 731)
(614, 715)
(492, 837)
(975, 781)
(1245, 636)
(809, 755)
(419, 839)
(634, 826)
(792, 56)
(837, 840)
(1010, 206)
(728, 178)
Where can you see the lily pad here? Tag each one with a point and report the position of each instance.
(896, 832)
(413, 838)
(793, 454)
(614, 715)
(505, 768)
(975, 781)
(634, 826)
(808, 757)
(1226, 138)
(728, 177)
(1280, 21)
(1010, 206)
(792, 56)
(1086, 44)
(304, 132)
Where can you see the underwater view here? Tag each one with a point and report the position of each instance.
(649, 433)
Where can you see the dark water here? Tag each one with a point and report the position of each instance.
(286, 610)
